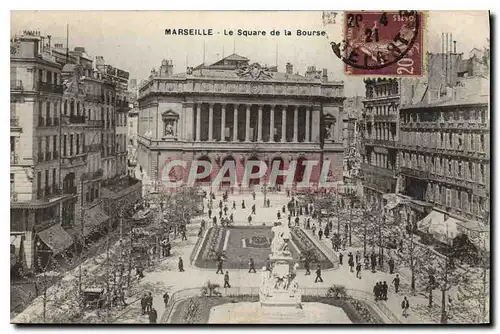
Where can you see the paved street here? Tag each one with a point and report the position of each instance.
(165, 277)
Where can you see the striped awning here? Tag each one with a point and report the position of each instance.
(56, 238)
(94, 220)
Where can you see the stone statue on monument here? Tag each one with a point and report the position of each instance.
(279, 244)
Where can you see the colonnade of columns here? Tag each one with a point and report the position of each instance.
(255, 122)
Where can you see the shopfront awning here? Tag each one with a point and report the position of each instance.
(94, 220)
(436, 225)
(56, 238)
(476, 231)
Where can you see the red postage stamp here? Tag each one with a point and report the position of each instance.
(382, 43)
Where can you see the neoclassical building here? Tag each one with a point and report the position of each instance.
(241, 111)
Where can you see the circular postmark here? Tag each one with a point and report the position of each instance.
(376, 40)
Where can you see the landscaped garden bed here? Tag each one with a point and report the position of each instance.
(245, 242)
(196, 310)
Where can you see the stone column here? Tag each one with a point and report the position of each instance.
(235, 123)
(271, 125)
(223, 122)
(210, 121)
(247, 122)
(198, 122)
(259, 125)
(295, 123)
(283, 125)
(307, 125)
(315, 124)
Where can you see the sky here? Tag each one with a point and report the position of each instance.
(135, 41)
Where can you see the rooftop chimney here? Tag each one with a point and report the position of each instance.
(324, 77)
(454, 46)
(289, 68)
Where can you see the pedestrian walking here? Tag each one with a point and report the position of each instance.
(231, 218)
(181, 265)
(314, 229)
(184, 237)
(243, 204)
(358, 257)
(384, 290)
(250, 220)
(318, 275)
(253, 209)
(367, 262)
(225, 210)
(149, 302)
(320, 233)
(396, 281)
(376, 291)
(341, 257)
(219, 267)
(268, 203)
(308, 223)
(297, 221)
(253, 195)
(226, 280)
(166, 297)
(214, 221)
(358, 270)
(234, 205)
(351, 263)
(306, 267)
(252, 266)
(153, 315)
(391, 266)
(209, 213)
(220, 204)
(283, 209)
(144, 303)
(278, 215)
(220, 214)
(405, 305)
(289, 219)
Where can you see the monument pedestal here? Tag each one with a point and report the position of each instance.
(281, 289)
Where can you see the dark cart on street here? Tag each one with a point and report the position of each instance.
(92, 297)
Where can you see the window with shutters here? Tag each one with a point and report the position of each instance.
(482, 177)
(47, 144)
(459, 169)
(448, 197)
(71, 145)
(481, 138)
(437, 196)
(473, 171)
(39, 184)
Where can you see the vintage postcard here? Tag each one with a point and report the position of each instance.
(250, 167)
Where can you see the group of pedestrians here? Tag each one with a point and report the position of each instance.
(147, 307)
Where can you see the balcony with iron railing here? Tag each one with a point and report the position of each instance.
(49, 87)
(77, 119)
(95, 123)
(41, 156)
(13, 196)
(73, 160)
(71, 189)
